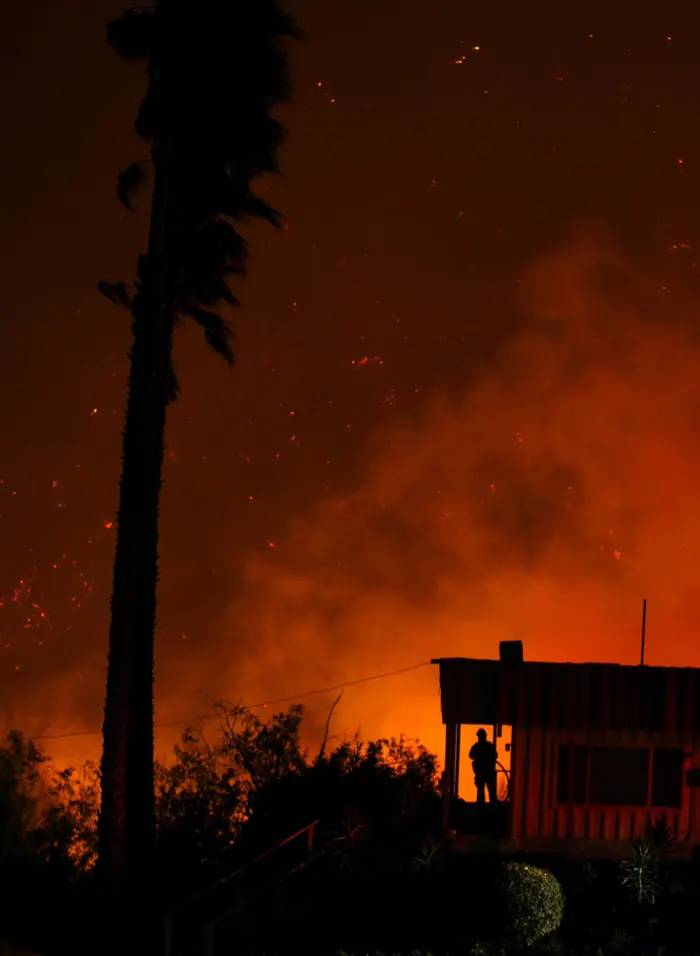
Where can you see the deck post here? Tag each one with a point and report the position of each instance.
(458, 750)
(448, 777)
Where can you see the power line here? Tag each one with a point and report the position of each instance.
(262, 703)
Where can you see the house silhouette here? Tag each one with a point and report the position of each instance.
(599, 752)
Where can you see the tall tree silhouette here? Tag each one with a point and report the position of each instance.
(216, 69)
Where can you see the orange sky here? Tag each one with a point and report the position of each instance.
(507, 234)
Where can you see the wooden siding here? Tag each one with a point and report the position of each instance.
(571, 696)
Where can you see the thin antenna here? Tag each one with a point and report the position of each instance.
(644, 628)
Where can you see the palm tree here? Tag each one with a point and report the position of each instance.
(216, 69)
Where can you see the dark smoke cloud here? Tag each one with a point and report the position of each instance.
(543, 503)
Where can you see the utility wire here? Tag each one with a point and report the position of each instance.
(262, 703)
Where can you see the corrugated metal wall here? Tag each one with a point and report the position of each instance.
(590, 704)
(535, 813)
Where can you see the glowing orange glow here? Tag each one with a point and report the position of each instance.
(491, 566)
(396, 339)
(507, 511)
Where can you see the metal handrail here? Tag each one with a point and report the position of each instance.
(210, 887)
(210, 925)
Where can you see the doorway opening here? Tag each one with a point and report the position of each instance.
(470, 815)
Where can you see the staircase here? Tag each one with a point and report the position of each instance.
(194, 926)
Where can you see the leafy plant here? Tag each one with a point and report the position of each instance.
(587, 874)
(350, 829)
(21, 766)
(640, 874)
(660, 835)
(67, 834)
(380, 952)
(486, 949)
(347, 838)
(430, 854)
(620, 942)
(533, 903)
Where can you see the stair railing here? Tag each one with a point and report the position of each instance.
(168, 922)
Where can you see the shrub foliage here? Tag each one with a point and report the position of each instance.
(533, 903)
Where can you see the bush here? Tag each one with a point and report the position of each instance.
(533, 903)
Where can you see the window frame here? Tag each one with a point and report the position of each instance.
(587, 804)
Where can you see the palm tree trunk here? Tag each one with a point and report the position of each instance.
(127, 815)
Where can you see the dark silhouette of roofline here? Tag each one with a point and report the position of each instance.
(566, 695)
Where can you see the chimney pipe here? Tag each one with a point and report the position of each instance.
(511, 652)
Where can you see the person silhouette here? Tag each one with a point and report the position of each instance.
(483, 756)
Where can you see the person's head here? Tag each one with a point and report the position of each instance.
(481, 734)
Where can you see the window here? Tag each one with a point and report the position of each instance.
(563, 773)
(667, 779)
(620, 776)
(580, 773)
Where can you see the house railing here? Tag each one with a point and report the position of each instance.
(235, 877)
